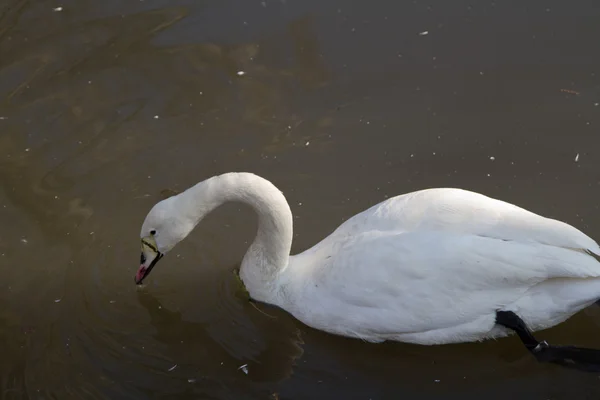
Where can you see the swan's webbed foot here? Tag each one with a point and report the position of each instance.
(567, 356)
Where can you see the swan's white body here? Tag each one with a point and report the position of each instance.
(429, 267)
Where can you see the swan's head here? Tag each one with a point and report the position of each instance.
(163, 228)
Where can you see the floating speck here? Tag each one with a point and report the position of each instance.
(492, 158)
(436, 380)
(3, 118)
(577, 157)
(156, 117)
(244, 368)
(23, 240)
(191, 380)
(307, 143)
(241, 73)
(595, 105)
(27, 149)
(57, 9)
(172, 368)
(423, 33)
(57, 300)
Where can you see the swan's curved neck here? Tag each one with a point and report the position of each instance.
(269, 253)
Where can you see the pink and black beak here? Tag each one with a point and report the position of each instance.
(148, 259)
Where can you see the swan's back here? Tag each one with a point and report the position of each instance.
(463, 212)
(433, 266)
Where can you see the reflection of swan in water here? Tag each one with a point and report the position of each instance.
(267, 346)
(431, 267)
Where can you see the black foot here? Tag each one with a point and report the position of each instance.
(567, 356)
(512, 321)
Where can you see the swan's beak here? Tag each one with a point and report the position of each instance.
(148, 259)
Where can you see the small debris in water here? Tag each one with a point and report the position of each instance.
(436, 380)
(423, 33)
(241, 73)
(577, 157)
(244, 368)
(57, 300)
(191, 380)
(3, 118)
(156, 117)
(492, 158)
(27, 149)
(172, 368)
(23, 240)
(569, 91)
(307, 143)
(57, 9)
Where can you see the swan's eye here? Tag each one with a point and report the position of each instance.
(153, 232)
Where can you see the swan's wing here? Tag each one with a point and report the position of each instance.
(464, 212)
(421, 281)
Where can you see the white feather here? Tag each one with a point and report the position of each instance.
(428, 267)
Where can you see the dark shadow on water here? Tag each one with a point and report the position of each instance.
(273, 351)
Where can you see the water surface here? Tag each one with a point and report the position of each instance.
(106, 107)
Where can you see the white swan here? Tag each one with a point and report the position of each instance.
(429, 267)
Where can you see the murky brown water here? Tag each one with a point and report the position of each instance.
(104, 105)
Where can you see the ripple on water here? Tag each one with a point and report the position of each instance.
(128, 338)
